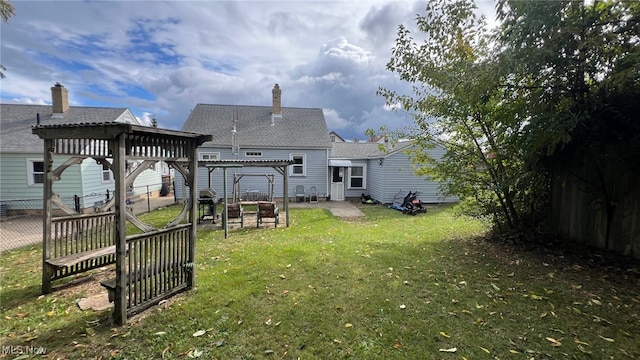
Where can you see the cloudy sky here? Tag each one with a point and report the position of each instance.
(162, 58)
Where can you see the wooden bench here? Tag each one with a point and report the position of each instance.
(75, 244)
(74, 259)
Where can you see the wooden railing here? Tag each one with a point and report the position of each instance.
(158, 266)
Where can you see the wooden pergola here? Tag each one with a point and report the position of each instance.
(150, 266)
(279, 165)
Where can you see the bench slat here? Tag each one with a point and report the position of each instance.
(70, 260)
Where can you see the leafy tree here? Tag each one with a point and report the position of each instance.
(577, 65)
(566, 58)
(6, 11)
(458, 102)
(554, 76)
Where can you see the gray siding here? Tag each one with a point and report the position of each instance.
(316, 172)
(399, 175)
(376, 180)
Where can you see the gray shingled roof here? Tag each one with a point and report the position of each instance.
(16, 122)
(362, 150)
(298, 127)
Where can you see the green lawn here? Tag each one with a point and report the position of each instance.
(388, 286)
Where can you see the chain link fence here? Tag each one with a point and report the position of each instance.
(21, 219)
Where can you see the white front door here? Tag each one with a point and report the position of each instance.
(337, 183)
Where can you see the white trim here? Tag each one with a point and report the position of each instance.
(104, 172)
(339, 163)
(363, 176)
(210, 154)
(31, 173)
(294, 167)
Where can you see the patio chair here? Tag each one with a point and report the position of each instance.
(268, 210)
(313, 195)
(235, 213)
(300, 194)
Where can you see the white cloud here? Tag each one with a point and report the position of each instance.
(163, 58)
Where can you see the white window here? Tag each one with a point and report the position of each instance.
(253, 154)
(357, 176)
(107, 175)
(209, 156)
(35, 172)
(299, 167)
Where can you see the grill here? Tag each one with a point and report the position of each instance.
(207, 200)
(207, 193)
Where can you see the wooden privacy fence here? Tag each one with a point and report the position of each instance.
(597, 204)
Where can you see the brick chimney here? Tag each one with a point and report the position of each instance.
(277, 101)
(60, 100)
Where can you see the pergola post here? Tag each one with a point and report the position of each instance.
(193, 212)
(46, 216)
(117, 146)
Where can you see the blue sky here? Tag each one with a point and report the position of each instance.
(162, 58)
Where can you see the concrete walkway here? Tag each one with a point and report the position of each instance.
(344, 209)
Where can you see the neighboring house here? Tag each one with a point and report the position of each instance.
(21, 156)
(362, 167)
(257, 133)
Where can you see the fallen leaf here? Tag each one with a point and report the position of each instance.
(199, 333)
(160, 333)
(269, 352)
(444, 334)
(397, 344)
(450, 350)
(605, 338)
(553, 341)
(580, 342)
(348, 325)
(195, 353)
(268, 322)
(581, 348)
(403, 306)
(485, 350)
(220, 343)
